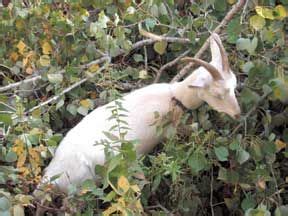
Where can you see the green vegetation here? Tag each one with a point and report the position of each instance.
(82, 54)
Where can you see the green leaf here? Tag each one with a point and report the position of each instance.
(221, 153)
(11, 157)
(83, 110)
(249, 97)
(59, 104)
(247, 44)
(220, 5)
(242, 156)
(162, 9)
(6, 119)
(233, 30)
(138, 58)
(154, 10)
(248, 202)
(197, 162)
(55, 78)
(281, 210)
(150, 23)
(160, 47)
(257, 22)
(110, 136)
(228, 176)
(71, 108)
(247, 66)
(4, 203)
(280, 89)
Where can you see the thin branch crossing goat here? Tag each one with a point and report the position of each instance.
(77, 154)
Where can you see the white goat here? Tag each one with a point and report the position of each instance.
(213, 83)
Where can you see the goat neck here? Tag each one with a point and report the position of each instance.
(189, 97)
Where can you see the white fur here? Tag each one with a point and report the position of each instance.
(77, 154)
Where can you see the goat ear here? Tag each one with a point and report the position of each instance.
(215, 50)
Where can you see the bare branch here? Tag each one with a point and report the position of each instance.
(137, 45)
(56, 97)
(38, 77)
(201, 51)
(170, 64)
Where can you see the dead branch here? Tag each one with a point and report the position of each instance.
(137, 45)
(170, 64)
(56, 97)
(38, 77)
(236, 8)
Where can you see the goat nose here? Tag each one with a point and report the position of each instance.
(237, 116)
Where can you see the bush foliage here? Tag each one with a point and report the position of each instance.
(82, 54)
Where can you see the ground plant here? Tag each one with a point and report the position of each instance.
(61, 59)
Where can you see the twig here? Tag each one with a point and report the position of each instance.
(201, 51)
(249, 113)
(49, 208)
(56, 97)
(145, 58)
(159, 206)
(38, 77)
(98, 61)
(211, 192)
(170, 64)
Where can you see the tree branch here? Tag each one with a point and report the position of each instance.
(250, 112)
(56, 97)
(170, 64)
(217, 30)
(136, 45)
(38, 77)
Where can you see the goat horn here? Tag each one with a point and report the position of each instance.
(210, 68)
(224, 57)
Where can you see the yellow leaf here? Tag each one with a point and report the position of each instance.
(231, 1)
(21, 160)
(143, 74)
(257, 22)
(44, 60)
(121, 201)
(25, 61)
(86, 103)
(21, 47)
(20, 24)
(281, 12)
(139, 205)
(265, 12)
(160, 47)
(18, 147)
(36, 113)
(93, 68)
(14, 56)
(109, 211)
(46, 48)
(123, 184)
(135, 188)
(280, 145)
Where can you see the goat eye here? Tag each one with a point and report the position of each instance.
(221, 97)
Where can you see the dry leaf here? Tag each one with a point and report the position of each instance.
(280, 145)
(14, 56)
(46, 48)
(21, 47)
(123, 184)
